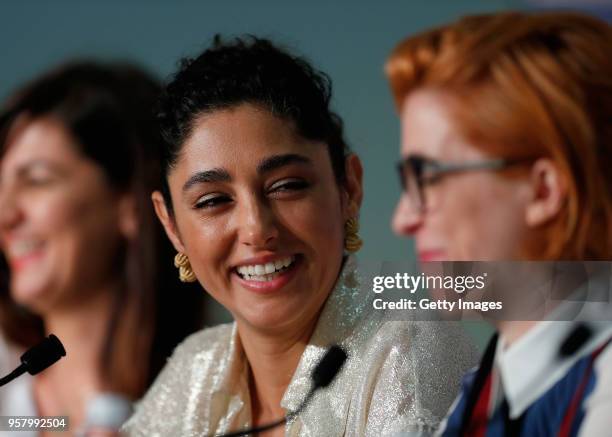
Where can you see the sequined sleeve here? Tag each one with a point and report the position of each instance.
(170, 406)
(400, 381)
(416, 377)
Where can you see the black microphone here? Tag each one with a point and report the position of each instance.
(577, 338)
(37, 358)
(322, 376)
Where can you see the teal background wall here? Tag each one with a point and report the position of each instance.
(349, 40)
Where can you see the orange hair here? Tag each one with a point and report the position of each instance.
(529, 85)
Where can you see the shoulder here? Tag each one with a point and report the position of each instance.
(208, 344)
(161, 410)
(427, 343)
(598, 405)
(16, 398)
(203, 342)
(418, 367)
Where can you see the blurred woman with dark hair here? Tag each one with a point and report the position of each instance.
(85, 257)
(506, 155)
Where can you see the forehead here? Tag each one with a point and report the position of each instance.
(43, 138)
(240, 137)
(429, 128)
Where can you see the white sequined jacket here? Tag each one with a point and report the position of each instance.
(400, 377)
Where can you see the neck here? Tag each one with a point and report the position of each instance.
(512, 331)
(82, 328)
(273, 359)
(66, 387)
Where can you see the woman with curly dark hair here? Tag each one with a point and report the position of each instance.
(261, 203)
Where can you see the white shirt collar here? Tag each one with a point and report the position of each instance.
(532, 365)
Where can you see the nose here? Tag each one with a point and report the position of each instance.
(407, 218)
(257, 225)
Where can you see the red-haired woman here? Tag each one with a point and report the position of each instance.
(506, 155)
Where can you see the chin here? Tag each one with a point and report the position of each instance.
(269, 319)
(35, 298)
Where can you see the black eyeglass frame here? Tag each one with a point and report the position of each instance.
(436, 170)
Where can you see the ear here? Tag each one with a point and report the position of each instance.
(549, 193)
(128, 219)
(167, 221)
(353, 189)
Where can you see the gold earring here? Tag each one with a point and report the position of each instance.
(352, 242)
(185, 272)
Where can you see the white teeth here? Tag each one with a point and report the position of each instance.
(264, 272)
(261, 278)
(21, 248)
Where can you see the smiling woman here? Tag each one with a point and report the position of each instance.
(79, 155)
(261, 200)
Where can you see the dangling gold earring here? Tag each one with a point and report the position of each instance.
(352, 242)
(185, 272)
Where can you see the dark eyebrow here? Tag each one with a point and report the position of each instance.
(277, 161)
(213, 175)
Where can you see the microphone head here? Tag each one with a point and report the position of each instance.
(577, 338)
(329, 366)
(107, 411)
(43, 355)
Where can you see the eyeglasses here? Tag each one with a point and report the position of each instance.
(417, 171)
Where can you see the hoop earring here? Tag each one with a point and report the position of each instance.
(185, 272)
(352, 241)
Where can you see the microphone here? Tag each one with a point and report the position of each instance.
(106, 412)
(37, 358)
(323, 374)
(577, 338)
(328, 367)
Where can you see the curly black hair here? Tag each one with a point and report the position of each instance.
(250, 70)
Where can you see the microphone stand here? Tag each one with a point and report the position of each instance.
(14, 374)
(271, 425)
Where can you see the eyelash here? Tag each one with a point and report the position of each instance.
(37, 181)
(292, 185)
(289, 185)
(212, 202)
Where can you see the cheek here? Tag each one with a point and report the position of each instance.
(208, 244)
(316, 222)
(480, 218)
(88, 219)
(91, 242)
(52, 213)
(80, 238)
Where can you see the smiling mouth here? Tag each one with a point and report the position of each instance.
(266, 272)
(20, 253)
(431, 255)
